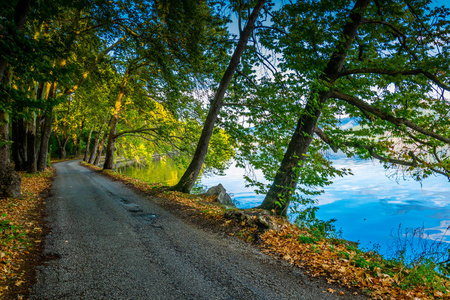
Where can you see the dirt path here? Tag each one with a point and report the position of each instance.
(106, 242)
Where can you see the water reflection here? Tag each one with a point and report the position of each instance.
(367, 206)
(441, 232)
(162, 170)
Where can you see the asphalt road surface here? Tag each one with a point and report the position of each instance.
(107, 242)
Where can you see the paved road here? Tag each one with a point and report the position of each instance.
(106, 242)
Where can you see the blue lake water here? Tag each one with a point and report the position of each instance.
(369, 206)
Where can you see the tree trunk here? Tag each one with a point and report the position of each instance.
(62, 148)
(97, 140)
(190, 176)
(100, 149)
(77, 140)
(45, 137)
(285, 182)
(61, 145)
(45, 132)
(111, 146)
(88, 142)
(9, 179)
(19, 144)
(95, 147)
(37, 140)
(31, 150)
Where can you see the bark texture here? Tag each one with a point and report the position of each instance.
(286, 178)
(9, 179)
(88, 142)
(190, 176)
(45, 137)
(46, 130)
(111, 146)
(31, 150)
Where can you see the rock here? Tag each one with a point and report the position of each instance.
(225, 199)
(221, 194)
(10, 183)
(215, 190)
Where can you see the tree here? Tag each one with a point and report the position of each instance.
(379, 63)
(165, 59)
(190, 175)
(9, 180)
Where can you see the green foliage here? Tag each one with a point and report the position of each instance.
(10, 231)
(296, 48)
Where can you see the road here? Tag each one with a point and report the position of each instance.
(107, 242)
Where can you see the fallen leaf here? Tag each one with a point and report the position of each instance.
(18, 283)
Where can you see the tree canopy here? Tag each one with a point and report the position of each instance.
(137, 78)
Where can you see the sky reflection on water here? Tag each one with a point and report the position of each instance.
(369, 206)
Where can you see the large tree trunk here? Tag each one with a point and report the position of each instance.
(34, 137)
(45, 137)
(286, 179)
(111, 146)
(190, 176)
(46, 132)
(9, 179)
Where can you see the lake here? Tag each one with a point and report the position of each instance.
(369, 206)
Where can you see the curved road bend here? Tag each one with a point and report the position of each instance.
(107, 242)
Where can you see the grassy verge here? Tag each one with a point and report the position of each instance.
(21, 233)
(338, 260)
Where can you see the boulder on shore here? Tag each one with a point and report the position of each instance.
(221, 194)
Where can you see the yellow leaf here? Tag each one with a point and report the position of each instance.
(18, 283)
(438, 294)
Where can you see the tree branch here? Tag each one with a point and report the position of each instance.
(142, 130)
(92, 66)
(248, 78)
(273, 28)
(386, 116)
(381, 71)
(400, 35)
(324, 137)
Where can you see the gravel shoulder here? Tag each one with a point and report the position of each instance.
(105, 241)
